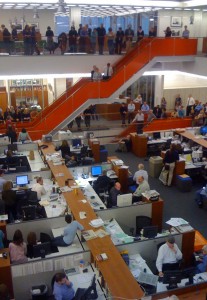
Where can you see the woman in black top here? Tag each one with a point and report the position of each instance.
(140, 34)
(31, 241)
(168, 32)
(9, 198)
(65, 149)
(171, 156)
(11, 133)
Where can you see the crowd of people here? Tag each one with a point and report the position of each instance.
(84, 39)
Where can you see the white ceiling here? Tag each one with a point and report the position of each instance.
(106, 7)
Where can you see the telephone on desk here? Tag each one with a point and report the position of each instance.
(110, 173)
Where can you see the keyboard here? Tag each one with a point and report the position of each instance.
(147, 278)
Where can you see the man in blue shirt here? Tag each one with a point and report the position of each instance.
(202, 265)
(68, 234)
(63, 288)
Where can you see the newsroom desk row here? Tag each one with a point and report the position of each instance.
(40, 270)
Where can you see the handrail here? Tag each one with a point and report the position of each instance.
(126, 68)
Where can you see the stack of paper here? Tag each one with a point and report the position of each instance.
(97, 222)
(89, 235)
(65, 189)
(101, 233)
(177, 222)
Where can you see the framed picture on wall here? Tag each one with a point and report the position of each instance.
(176, 22)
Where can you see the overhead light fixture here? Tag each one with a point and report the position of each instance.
(151, 18)
(61, 8)
(36, 15)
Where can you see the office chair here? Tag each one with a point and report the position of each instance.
(32, 197)
(142, 221)
(21, 169)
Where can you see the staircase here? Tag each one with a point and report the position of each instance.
(85, 92)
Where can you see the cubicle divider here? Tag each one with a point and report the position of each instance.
(37, 225)
(148, 248)
(21, 147)
(38, 272)
(126, 216)
(31, 175)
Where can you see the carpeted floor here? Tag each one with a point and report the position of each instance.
(176, 203)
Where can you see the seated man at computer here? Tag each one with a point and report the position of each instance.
(102, 182)
(114, 192)
(39, 188)
(168, 256)
(143, 186)
(201, 195)
(63, 288)
(69, 233)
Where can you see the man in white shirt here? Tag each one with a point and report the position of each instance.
(108, 71)
(139, 119)
(140, 172)
(190, 104)
(39, 188)
(168, 254)
(130, 109)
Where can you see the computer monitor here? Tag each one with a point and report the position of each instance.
(156, 135)
(76, 142)
(172, 278)
(40, 250)
(189, 273)
(150, 232)
(168, 134)
(29, 212)
(89, 293)
(22, 180)
(12, 147)
(96, 171)
(124, 200)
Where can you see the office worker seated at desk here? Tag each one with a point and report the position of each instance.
(168, 256)
(141, 172)
(63, 288)
(10, 161)
(9, 199)
(125, 144)
(143, 186)
(39, 188)
(69, 233)
(202, 262)
(24, 136)
(65, 149)
(102, 182)
(18, 248)
(113, 193)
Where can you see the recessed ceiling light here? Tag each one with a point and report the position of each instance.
(167, 8)
(187, 9)
(196, 9)
(177, 8)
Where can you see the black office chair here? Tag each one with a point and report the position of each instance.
(142, 221)
(21, 169)
(32, 197)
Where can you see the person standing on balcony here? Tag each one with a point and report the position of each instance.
(108, 71)
(119, 41)
(129, 34)
(145, 107)
(123, 113)
(110, 39)
(50, 43)
(101, 31)
(131, 110)
(168, 32)
(27, 40)
(87, 117)
(140, 34)
(186, 32)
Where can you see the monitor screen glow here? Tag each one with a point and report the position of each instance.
(96, 171)
(22, 180)
(76, 142)
(124, 200)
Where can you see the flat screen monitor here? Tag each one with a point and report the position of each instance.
(22, 180)
(124, 200)
(168, 134)
(150, 232)
(40, 250)
(96, 171)
(76, 142)
(29, 212)
(12, 147)
(189, 273)
(172, 278)
(156, 135)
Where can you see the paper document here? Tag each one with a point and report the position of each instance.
(65, 189)
(82, 215)
(176, 222)
(97, 222)
(101, 233)
(88, 235)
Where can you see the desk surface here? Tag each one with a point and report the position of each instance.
(193, 137)
(113, 268)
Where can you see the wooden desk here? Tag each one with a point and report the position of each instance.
(119, 285)
(5, 271)
(139, 145)
(192, 137)
(122, 173)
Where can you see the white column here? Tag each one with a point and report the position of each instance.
(75, 17)
(159, 85)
